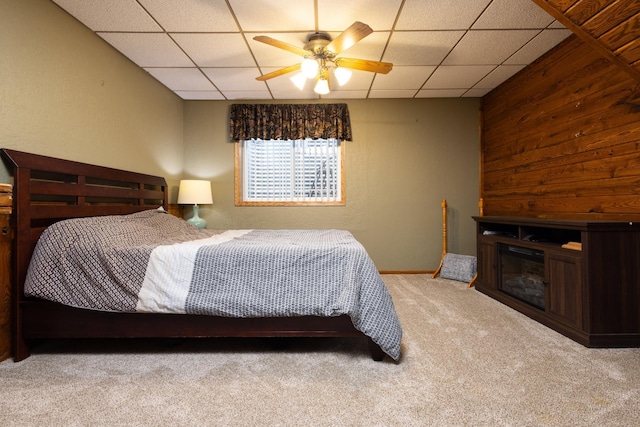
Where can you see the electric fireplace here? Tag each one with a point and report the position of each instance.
(521, 274)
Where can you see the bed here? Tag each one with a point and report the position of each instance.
(49, 191)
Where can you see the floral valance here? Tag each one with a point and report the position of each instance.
(289, 121)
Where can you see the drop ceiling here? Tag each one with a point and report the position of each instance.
(204, 49)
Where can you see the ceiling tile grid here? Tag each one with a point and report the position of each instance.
(204, 49)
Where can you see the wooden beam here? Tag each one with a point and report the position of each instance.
(588, 38)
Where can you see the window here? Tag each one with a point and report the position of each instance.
(289, 172)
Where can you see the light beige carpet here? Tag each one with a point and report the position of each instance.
(467, 361)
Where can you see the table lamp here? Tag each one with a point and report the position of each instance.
(195, 192)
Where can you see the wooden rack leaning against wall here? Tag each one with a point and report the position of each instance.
(444, 242)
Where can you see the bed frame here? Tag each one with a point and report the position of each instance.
(47, 190)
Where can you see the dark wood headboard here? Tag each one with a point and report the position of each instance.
(47, 189)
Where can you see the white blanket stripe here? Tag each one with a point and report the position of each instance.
(169, 272)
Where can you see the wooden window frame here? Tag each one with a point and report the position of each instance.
(238, 184)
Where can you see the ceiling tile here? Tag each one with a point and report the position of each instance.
(499, 75)
(392, 93)
(404, 77)
(181, 78)
(440, 93)
(247, 94)
(191, 15)
(274, 15)
(110, 15)
(346, 94)
(294, 94)
(215, 50)
(511, 14)
(421, 47)
(148, 49)
(235, 78)
(360, 80)
(540, 44)
(200, 94)
(204, 49)
(476, 93)
(474, 46)
(378, 14)
(440, 15)
(457, 77)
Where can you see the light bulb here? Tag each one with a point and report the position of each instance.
(299, 80)
(309, 67)
(322, 87)
(342, 75)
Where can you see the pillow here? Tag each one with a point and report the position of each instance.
(458, 267)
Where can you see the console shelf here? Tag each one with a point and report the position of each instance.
(588, 274)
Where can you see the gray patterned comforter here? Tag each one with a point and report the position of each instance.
(153, 262)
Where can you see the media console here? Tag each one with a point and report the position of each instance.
(578, 277)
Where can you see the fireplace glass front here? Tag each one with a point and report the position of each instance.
(522, 274)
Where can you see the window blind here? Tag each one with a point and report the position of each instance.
(304, 170)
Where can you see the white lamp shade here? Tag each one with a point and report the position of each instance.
(309, 67)
(342, 75)
(299, 80)
(322, 87)
(194, 192)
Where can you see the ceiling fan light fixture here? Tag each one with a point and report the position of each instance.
(322, 86)
(309, 67)
(321, 58)
(299, 80)
(342, 75)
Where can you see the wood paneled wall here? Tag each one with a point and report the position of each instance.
(611, 27)
(562, 139)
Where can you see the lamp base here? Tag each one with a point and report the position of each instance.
(195, 220)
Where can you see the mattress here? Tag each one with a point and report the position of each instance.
(154, 262)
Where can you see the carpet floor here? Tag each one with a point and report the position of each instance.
(467, 360)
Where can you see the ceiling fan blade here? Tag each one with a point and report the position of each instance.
(282, 45)
(364, 65)
(352, 35)
(279, 72)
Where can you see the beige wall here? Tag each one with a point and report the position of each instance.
(405, 157)
(66, 93)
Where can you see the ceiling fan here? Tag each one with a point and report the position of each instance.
(320, 55)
